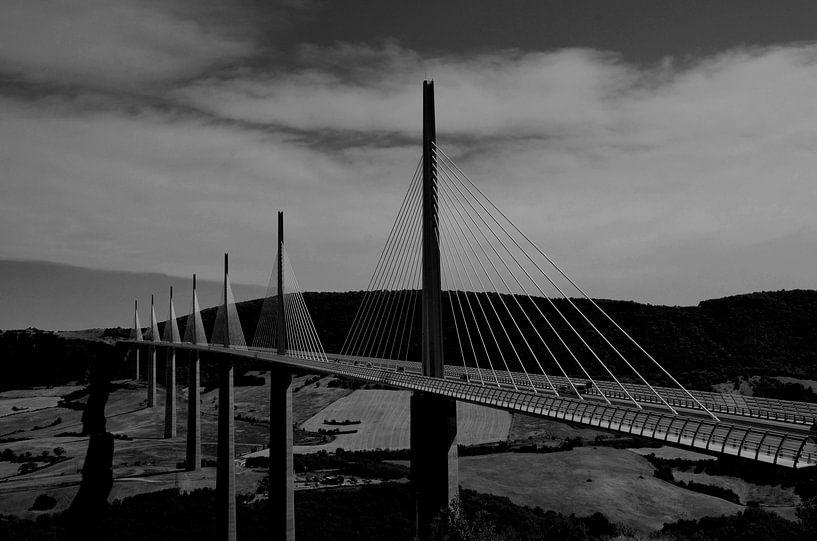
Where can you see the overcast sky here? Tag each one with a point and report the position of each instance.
(662, 151)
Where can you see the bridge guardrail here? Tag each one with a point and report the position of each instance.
(774, 447)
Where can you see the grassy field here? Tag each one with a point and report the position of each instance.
(144, 462)
(618, 483)
(781, 500)
(528, 427)
(385, 422)
(307, 400)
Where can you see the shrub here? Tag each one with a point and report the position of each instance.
(43, 502)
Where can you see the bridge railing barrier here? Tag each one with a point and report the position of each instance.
(787, 449)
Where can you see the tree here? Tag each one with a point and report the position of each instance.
(59, 451)
(807, 513)
(27, 467)
(454, 524)
(43, 502)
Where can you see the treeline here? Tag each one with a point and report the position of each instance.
(774, 388)
(767, 333)
(31, 358)
(763, 334)
(749, 525)
(376, 512)
(804, 481)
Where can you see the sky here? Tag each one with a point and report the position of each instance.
(661, 151)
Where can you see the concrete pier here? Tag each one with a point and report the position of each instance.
(136, 362)
(151, 376)
(434, 467)
(434, 470)
(281, 471)
(170, 394)
(225, 474)
(193, 456)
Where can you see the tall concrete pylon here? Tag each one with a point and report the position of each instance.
(433, 431)
(194, 333)
(225, 466)
(154, 337)
(137, 335)
(281, 470)
(172, 336)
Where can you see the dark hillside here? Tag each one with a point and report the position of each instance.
(766, 334)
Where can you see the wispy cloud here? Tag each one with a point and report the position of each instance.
(110, 43)
(180, 137)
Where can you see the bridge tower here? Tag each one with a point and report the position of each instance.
(434, 469)
(137, 335)
(281, 470)
(225, 459)
(193, 458)
(152, 356)
(170, 373)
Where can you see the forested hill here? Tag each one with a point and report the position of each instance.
(768, 333)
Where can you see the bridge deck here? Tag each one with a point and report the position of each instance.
(762, 408)
(775, 443)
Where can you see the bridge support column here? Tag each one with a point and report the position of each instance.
(434, 467)
(281, 470)
(193, 457)
(136, 363)
(225, 465)
(151, 376)
(170, 394)
(225, 474)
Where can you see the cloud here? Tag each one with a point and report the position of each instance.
(656, 184)
(111, 43)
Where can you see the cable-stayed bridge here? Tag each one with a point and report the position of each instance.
(462, 305)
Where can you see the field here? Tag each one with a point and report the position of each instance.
(385, 422)
(617, 483)
(781, 500)
(528, 427)
(143, 462)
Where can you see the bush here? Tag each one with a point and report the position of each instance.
(27, 467)
(44, 502)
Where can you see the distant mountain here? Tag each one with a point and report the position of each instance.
(55, 296)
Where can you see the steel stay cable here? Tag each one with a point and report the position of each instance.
(262, 334)
(300, 329)
(447, 262)
(405, 218)
(292, 322)
(407, 292)
(401, 309)
(490, 280)
(599, 308)
(379, 269)
(413, 301)
(584, 294)
(524, 289)
(479, 301)
(581, 338)
(383, 251)
(402, 269)
(414, 307)
(518, 329)
(443, 268)
(310, 329)
(394, 270)
(470, 307)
